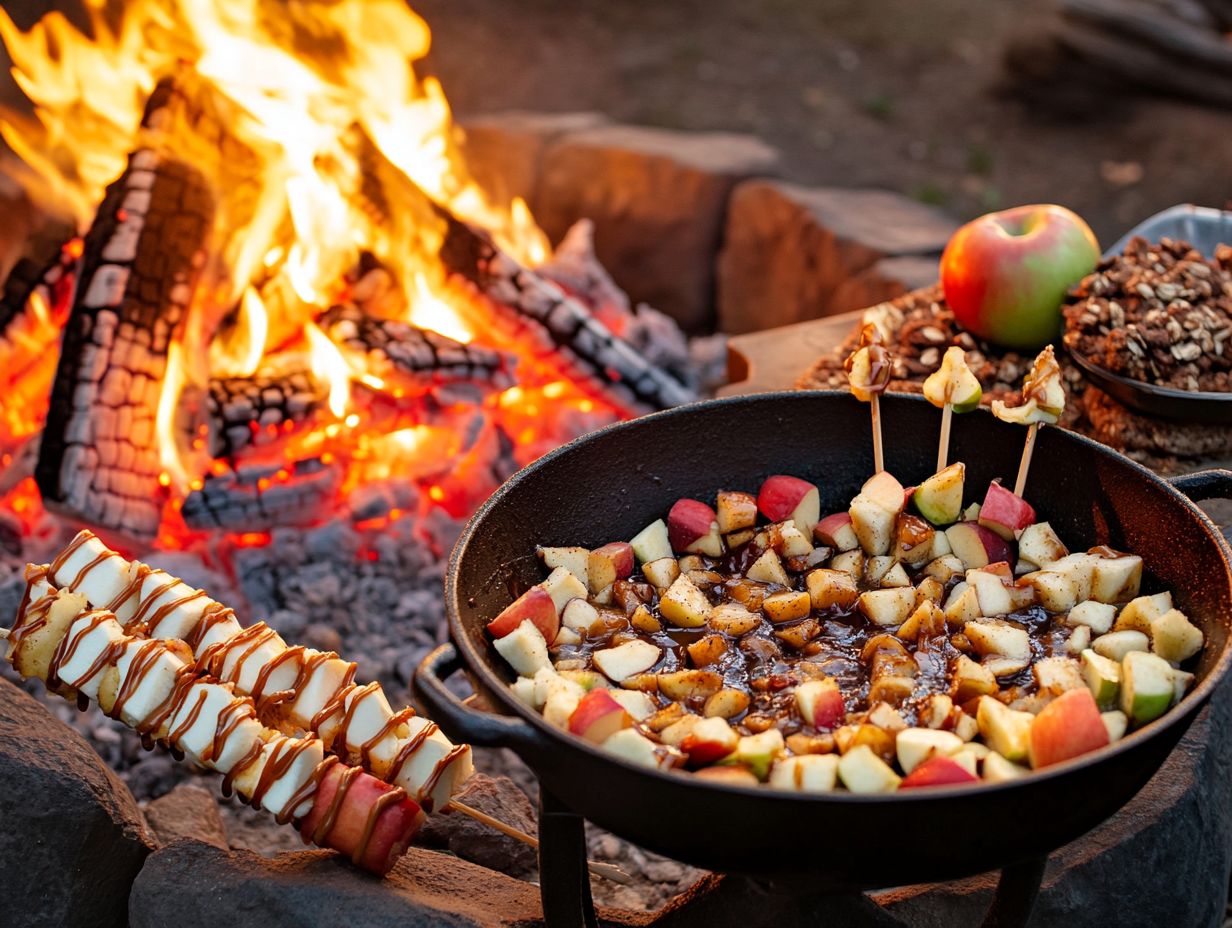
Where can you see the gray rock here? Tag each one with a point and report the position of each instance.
(188, 811)
(192, 885)
(789, 250)
(72, 839)
(501, 798)
(657, 198)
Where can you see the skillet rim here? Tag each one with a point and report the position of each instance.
(476, 663)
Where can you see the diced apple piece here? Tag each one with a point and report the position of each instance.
(941, 545)
(626, 660)
(1056, 675)
(563, 586)
(675, 733)
(896, 576)
(1080, 568)
(1181, 682)
(887, 607)
(628, 745)
(885, 491)
(1138, 614)
(689, 684)
(652, 543)
(525, 649)
(976, 546)
(735, 511)
(945, 567)
(728, 775)
(1079, 640)
(1174, 637)
(993, 594)
(769, 569)
(1004, 513)
(1055, 591)
(535, 606)
(684, 604)
(1039, 545)
(1116, 579)
(837, 532)
(927, 619)
(913, 540)
(930, 589)
(611, 562)
(1147, 689)
(1116, 722)
(876, 567)
(971, 513)
(562, 701)
(579, 615)
(598, 716)
(1102, 677)
(565, 638)
(726, 703)
(831, 588)
(644, 621)
(736, 539)
(638, 705)
(936, 710)
(862, 771)
(1000, 666)
(963, 606)
(783, 497)
(573, 559)
(849, 562)
(914, 745)
(939, 498)
(820, 703)
(1067, 727)
(710, 740)
(732, 619)
(873, 524)
(1115, 645)
(1004, 730)
(758, 752)
(940, 771)
(997, 769)
(999, 640)
(661, 573)
(810, 773)
(792, 542)
(693, 529)
(786, 606)
(586, 679)
(1096, 616)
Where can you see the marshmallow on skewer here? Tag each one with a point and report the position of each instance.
(89, 567)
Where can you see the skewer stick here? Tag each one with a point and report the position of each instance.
(878, 456)
(604, 871)
(943, 449)
(1028, 449)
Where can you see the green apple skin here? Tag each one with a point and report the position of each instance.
(939, 498)
(1005, 274)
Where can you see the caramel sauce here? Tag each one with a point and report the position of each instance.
(429, 784)
(407, 751)
(320, 834)
(70, 549)
(384, 801)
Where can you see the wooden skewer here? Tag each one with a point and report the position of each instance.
(1028, 449)
(878, 457)
(605, 871)
(943, 450)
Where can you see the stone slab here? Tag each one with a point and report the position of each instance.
(188, 811)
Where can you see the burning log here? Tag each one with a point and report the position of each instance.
(406, 356)
(257, 497)
(563, 332)
(43, 273)
(99, 458)
(247, 412)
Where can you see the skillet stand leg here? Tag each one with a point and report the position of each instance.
(1017, 890)
(564, 882)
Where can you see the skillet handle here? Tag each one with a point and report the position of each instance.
(461, 723)
(1215, 483)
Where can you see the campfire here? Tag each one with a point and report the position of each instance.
(279, 296)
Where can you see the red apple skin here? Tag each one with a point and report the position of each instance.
(392, 834)
(620, 553)
(780, 495)
(597, 716)
(1004, 513)
(829, 526)
(689, 520)
(1005, 274)
(535, 604)
(829, 710)
(996, 548)
(1067, 727)
(704, 753)
(938, 771)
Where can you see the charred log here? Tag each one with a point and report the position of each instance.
(99, 459)
(408, 357)
(248, 412)
(560, 330)
(44, 270)
(256, 498)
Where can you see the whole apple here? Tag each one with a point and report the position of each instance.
(1005, 274)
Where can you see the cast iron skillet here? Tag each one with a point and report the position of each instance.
(609, 484)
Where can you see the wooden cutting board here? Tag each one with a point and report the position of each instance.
(774, 359)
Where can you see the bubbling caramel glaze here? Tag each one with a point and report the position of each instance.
(293, 688)
(156, 688)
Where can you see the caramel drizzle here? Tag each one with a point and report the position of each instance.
(67, 649)
(408, 750)
(70, 549)
(236, 712)
(425, 791)
(306, 789)
(33, 619)
(321, 833)
(33, 576)
(131, 589)
(214, 658)
(395, 795)
(213, 614)
(282, 757)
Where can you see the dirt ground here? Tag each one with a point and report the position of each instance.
(899, 94)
